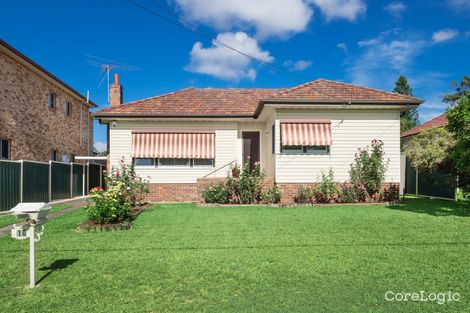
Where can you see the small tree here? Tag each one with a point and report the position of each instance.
(430, 150)
(458, 117)
(410, 118)
(369, 167)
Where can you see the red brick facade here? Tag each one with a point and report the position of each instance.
(173, 193)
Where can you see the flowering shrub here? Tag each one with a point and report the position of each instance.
(271, 195)
(368, 170)
(216, 194)
(109, 206)
(125, 190)
(136, 187)
(326, 190)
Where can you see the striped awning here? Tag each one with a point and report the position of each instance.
(298, 133)
(198, 145)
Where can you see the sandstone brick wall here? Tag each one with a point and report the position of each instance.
(34, 130)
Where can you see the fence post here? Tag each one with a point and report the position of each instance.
(417, 181)
(101, 176)
(50, 181)
(71, 179)
(88, 177)
(83, 179)
(21, 182)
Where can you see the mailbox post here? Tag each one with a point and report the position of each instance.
(36, 215)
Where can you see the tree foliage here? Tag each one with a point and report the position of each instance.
(458, 117)
(429, 150)
(410, 118)
(461, 89)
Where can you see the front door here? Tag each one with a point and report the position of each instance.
(250, 148)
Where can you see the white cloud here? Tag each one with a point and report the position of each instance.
(383, 59)
(267, 17)
(395, 8)
(444, 35)
(341, 9)
(343, 46)
(297, 66)
(459, 4)
(100, 146)
(223, 63)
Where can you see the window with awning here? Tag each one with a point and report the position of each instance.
(173, 145)
(306, 133)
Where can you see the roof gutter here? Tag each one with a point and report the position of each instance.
(334, 103)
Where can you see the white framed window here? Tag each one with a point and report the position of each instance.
(4, 149)
(167, 162)
(315, 150)
(144, 162)
(171, 162)
(203, 162)
(51, 100)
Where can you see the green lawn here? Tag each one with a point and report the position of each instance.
(8, 219)
(182, 258)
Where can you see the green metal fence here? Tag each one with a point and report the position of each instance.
(437, 185)
(60, 181)
(28, 181)
(10, 189)
(35, 182)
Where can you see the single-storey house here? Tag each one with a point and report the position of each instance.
(181, 139)
(437, 122)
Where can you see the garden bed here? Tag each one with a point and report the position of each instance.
(90, 226)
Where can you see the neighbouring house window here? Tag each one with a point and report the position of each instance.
(51, 99)
(273, 139)
(68, 108)
(4, 149)
(144, 162)
(316, 150)
(173, 162)
(54, 155)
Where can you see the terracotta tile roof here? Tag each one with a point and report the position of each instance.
(324, 90)
(197, 101)
(245, 101)
(439, 121)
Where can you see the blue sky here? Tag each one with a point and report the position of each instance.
(358, 41)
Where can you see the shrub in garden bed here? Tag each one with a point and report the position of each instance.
(121, 201)
(326, 191)
(242, 187)
(304, 195)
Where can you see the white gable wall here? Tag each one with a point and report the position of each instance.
(351, 129)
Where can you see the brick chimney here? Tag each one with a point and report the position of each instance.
(115, 92)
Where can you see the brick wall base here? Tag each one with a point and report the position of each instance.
(191, 192)
(173, 193)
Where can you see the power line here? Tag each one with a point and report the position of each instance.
(195, 30)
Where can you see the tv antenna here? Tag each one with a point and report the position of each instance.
(107, 66)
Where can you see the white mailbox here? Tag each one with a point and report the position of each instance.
(35, 211)
(36, 215)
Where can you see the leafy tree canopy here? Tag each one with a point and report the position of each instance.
(461, 89)
(410, 118)
(430, 149)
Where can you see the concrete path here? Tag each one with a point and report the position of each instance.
(74, 204)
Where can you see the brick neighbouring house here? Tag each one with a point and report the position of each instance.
(186, 139)
(41, 117)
